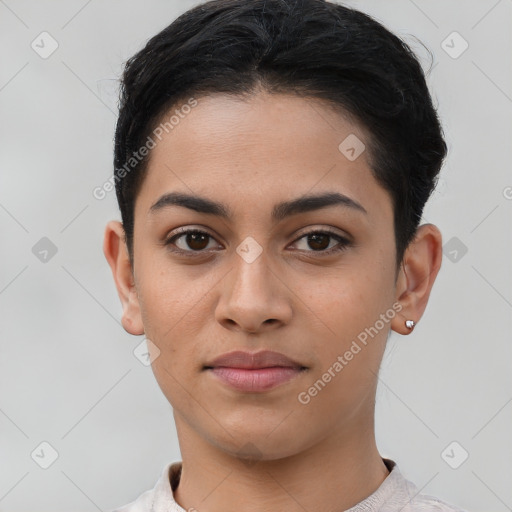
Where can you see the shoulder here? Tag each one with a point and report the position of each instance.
(160, 497)
(425, 503)
(397, 493)
(142, 504)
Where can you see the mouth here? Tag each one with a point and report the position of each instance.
(254, 372)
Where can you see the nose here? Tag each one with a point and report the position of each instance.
(253, 297)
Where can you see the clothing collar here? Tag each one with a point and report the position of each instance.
(394, 493)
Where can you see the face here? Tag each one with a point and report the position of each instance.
(264, 269)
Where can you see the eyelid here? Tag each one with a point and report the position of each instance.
(187, 229)
(304, 231)
(184, 230)
(344, 241)
(323, 229)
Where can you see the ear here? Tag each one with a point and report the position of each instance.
(419, 269)
(116, 252)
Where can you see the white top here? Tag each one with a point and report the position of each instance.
(395, 494)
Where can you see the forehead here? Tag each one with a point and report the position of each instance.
(254, 151)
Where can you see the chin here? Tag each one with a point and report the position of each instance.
(260, 443)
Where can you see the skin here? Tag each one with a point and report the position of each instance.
(267, 451)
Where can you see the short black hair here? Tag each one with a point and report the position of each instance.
(311, 48)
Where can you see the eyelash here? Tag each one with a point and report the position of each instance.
(343, 242)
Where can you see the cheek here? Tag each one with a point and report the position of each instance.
(166, 293)
(176, 305)
(163, 302)
(349, 297)
(172, 311)
(348, 347)
(346, 315)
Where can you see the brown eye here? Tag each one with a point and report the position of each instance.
(196, 240)
(319, 241)
(322, 242)
(190, 241)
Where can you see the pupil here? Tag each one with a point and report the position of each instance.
(197, 241)
(194, 238)
(314, 243)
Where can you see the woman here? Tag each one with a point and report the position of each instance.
(273, 159)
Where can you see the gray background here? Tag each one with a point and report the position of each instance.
(68, 375)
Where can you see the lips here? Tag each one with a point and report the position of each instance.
(253, 361)
(254, 372)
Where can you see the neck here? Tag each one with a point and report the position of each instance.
(334, 475)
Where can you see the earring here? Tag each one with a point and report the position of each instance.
(410, 324)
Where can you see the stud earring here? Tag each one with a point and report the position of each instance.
(410, 324)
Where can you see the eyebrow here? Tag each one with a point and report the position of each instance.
(279, 212)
